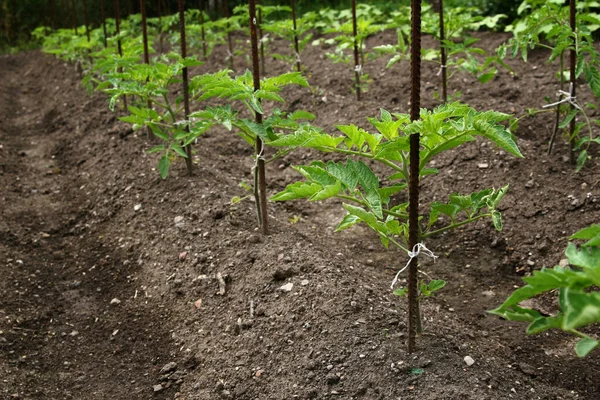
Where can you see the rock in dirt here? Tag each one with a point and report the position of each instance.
(332, 379)
(198, 303)
(115, 301)
(179, 222)
(137, 207)
(183, 255)
(284, 272)
(157, 388)
(469, 361)
(527, 369)
(287, 287)
(168, 368)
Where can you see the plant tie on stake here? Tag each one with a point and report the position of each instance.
(442, 68)
(571, 99)
(412, 254)
(358, 68)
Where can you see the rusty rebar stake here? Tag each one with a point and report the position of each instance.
(357, 66)
(85, 20)
(444, 69)
(262, 44)
(260, 161)
(229, 38)
(296, 47)
(572, 73)
(413, 189)
(184, 77)
(118, 33)
(202, 29)
(103, 15)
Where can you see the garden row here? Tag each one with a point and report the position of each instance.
(151, 95)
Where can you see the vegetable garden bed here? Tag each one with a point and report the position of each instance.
(86, 220)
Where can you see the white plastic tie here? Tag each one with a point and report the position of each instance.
(572, 100)
(417, 249)
(358, 68)
(298, 58)
(442, 67)
(260, 156)
(264, 39)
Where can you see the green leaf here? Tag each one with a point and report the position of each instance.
(177, 148)
(348, 221)
(163, 166)
(298, 190)
(582, 309)
(327, 192)
(585, 346)
(499, 135)
(542, 324)
(497, 220)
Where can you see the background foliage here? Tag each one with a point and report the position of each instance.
(19, 17)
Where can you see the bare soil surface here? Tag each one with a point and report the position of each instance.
(117, 284)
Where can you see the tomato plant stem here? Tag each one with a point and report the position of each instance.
(296, 36)
(413, 187)
(184, 77)
(357, 66)
(259, 171)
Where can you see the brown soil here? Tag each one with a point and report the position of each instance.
(87, 220)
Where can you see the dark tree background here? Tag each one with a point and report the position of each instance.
(19, 17)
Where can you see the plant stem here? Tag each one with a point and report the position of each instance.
(366, 205)
(260, 161)
(453, 226)
(186, 94)
(413, 187)
(357, 66)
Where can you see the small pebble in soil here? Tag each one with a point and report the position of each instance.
(183, 255)
(304, 282)
(332, 379)
(157, 388)
(530, 184)
(179, 222)
(137, 207)
(169, 367)
(469, 361)
(483, 165)
(115, 301)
